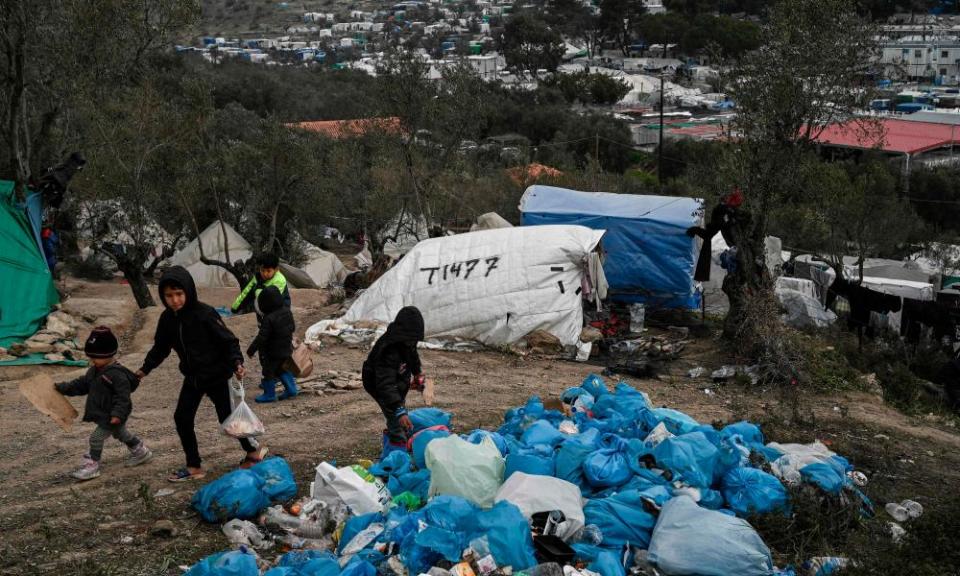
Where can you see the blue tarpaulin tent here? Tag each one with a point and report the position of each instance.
(650, 258)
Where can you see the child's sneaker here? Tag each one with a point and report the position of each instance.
(88, 470)
(138, 455)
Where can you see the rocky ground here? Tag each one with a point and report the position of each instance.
(131, 521)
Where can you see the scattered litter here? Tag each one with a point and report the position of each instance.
(697, 372)
(897, 532)
(163, 492)
(708, 392)
(724, 373)
(904, 511)
(244, 533)
(126, 540)
(824, 565)
(858, 478)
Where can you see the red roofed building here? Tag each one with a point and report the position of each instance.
(338, 129)
(897, 136)
(929, 143)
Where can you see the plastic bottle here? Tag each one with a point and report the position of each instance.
(591, 535)
(275, 516)
(914, 509)
(897, 512)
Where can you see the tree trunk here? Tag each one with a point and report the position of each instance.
(130, 263)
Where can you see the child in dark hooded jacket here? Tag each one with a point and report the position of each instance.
(274, 342)
(209, 354)
(392, 368)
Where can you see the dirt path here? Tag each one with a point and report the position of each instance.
(48, 522)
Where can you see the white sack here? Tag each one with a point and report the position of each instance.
(531, 494)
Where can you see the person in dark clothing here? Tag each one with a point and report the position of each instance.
(274, 341)
(107, 386)
(392, 369)
(862, 301)
(209, 354)
(949, 378)
(722, 219)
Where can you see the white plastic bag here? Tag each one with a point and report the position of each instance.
(242, 422)
(459, 468)
(332, 484)
(531, 494)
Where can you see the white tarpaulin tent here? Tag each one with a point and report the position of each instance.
(490, 221)
(492, 286)
(215, 246)
(324, 268)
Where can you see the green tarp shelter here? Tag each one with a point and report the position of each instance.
(27, 291)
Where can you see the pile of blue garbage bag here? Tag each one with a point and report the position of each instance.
(658, 489)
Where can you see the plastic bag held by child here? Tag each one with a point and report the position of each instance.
(242, 422)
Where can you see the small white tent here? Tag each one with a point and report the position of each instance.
(404, 231)
(215, 247)
(490, 221)
(492, 286)
(323, 267)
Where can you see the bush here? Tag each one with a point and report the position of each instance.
(91, 268)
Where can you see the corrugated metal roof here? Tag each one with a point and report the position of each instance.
(899, 136)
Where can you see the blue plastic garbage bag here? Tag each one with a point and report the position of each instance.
(691, 458)
(423, 418)
(607, 563)
(825, 476)
(319, 566)
(607, 468)
(449, 512)
(359, 568)
(769, 453)
(415, 557)
(625, 400)
(447, 543)
(282, 571)
(417, 482)
(508, 533)
(238, 494)
(370, 555)
(394, 464)
(711, 499)
(399, 523)
(529, 464)
(542, 432)
(570, 395)
(595, 386)
(419, 444)
(356, 525)
(621, 518)
(477, 436)
(569, 460)
(603, 561)
(233, 563)
(278, 482)
(751, 491)
(750, 433)
(676, 422)
(691, 540)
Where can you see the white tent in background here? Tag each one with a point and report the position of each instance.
(405, 230)
(215, 247)
(323, 267)
(490, 221)
(492, 286)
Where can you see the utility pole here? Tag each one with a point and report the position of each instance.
(660, 146)
(596, 160)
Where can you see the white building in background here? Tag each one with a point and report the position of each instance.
(917, 58)
(654, 6)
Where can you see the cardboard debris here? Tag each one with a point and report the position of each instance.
(40, 392)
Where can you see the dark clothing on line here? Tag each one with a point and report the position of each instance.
(188, 403)
(722, 219)
(863, 301)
